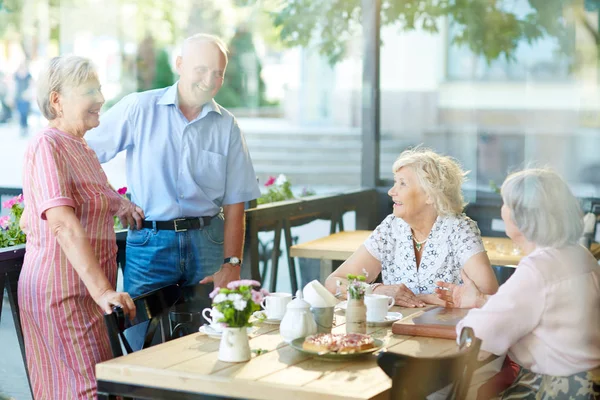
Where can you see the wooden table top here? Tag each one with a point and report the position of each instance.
(341, 245)
(190, 364)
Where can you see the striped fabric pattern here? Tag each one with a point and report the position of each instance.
(63, 327)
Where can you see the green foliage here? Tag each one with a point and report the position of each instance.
(243, 66)
(488, 27)
(494, 187)
(280, 189)
(277, 193)
(164, 75)
(10, 15)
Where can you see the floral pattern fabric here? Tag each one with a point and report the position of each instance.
(452, 241)
(529, 385)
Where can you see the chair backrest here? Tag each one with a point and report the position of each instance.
(416, 377)
(150, 308)
(186, 317)
(503, 272)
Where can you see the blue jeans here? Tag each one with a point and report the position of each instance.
(156, 258)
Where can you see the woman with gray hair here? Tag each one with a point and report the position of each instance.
(427, 237)
(547, 315)
(69, 273)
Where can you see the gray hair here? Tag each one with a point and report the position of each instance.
(441, 177)
(62, 72)
(205, 37)
(543, 207)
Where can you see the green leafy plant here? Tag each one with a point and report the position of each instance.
(279, 189)
(10, 230)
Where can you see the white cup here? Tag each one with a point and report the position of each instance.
(378, 306)
(215, 316)
(275, 305)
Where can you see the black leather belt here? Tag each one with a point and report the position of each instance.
(179, 224)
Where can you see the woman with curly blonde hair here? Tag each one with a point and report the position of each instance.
(426, 239)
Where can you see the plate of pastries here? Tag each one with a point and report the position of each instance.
(337, 345)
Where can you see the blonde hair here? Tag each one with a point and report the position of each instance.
(543, 207)
(205, 37)
(62, 72)
(441, 177)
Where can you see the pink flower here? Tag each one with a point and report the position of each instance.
(264, 292)
(270, 181)
(122, 191)
(244, 282)
(15, 200)
(257, 297)
(214, 292)
(4, 222)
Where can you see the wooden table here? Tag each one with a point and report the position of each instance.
(188, 368)
(340, 246)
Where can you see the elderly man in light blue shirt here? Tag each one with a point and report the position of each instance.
(186, 159)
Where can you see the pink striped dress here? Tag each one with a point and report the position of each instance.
(63, 327)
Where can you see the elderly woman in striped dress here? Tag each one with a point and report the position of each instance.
(69, 274)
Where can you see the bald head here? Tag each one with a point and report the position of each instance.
(201, 41)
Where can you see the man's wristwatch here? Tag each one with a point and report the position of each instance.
(236, 262)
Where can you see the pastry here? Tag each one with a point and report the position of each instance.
(338, 342)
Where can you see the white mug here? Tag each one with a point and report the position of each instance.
(215, 316)
(275, 304)
(378, 306)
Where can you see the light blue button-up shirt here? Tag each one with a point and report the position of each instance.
(176, 168)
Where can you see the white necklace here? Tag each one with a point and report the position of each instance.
(418, 244)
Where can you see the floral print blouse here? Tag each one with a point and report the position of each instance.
(451, 242)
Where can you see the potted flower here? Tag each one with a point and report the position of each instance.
(10, 231)
(356, 311)
(236, 303)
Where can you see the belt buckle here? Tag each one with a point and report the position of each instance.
(176, 228)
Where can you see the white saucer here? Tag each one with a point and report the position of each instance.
(342, 305)
(262, 317)
(211, 332)
(390, 318)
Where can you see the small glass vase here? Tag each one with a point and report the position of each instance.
(356, 316)
(234, 346)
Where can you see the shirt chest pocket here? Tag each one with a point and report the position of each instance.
(210, 171)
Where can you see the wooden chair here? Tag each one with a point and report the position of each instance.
(150, 309)
(416, 377)
(503, 272)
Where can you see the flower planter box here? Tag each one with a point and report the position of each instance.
(11, 262)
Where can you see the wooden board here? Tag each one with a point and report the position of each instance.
(438, 322)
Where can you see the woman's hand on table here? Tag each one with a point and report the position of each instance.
(466, 295)
(431, 298)
(402, 295)
(111, 298)
(130, 215)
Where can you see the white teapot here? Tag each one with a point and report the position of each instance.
(298, 321)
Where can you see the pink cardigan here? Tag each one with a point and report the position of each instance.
(547, 315)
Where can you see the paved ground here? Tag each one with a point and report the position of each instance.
(13, 381)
